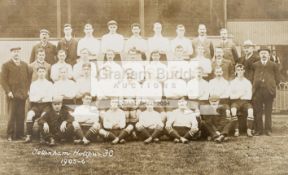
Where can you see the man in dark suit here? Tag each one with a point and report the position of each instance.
(265, 80)
(69, 44)
(50, 49)
(248, 59)
(16, 78)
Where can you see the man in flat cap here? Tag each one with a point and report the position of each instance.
(249, 58)
(16, 78)
(50, 49)
(69, 44)
(57, 124)
(265, 81)
(113, 40)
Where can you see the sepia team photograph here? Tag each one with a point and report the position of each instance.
(120, 87)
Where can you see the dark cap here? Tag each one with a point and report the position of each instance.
(264, 48)
(112, 22)
(15, 48)
(44, 31)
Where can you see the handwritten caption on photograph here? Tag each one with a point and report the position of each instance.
(75, 157)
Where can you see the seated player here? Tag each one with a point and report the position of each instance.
(107, 88)
(174, 89)
(115, 66)
(151, 89)
(61, 63)
(86, 83)
(201, 61)
(159, 69)
(58, 124)
(181, 123)
(198, 94)
(150, 124)
(65, 87)
(130, 97)
(114, 124)
(86, 114)
(40, 98)
(135, 63)
(219, 126)
(241, 95)
(178, 63)
(84, 59)
(40, 62)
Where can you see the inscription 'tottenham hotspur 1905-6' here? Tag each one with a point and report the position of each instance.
(73, 157)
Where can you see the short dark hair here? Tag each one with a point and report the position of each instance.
(40, 50)
(86, 94)
(41, 67)
(135, 25)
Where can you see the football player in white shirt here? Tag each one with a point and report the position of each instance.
(89, 42)
(183, 41)
(65, 88)
(114, 66)
(150, 124)
(113, 40)
(61, 63)
(181, 123)
(201, 61)
(137, 65)
(130, 96)
(158, 42)
(159, 69)
(241, 95)
(178, 63)
(86, 83)
(136, 42)
(114, 124)
(40, 98)
(77, 68)
(87, 114)
(219, 92)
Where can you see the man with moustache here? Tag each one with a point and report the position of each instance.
(16, 78)
(265, 80)
(49, 48)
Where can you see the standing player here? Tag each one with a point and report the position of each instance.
(114, 124)
(136, 42)
(49, 49)
(69, 45)
(241, 95)
(114, 65)
(40, 97)
(181, 123)
(16, 78)
(150, 124)
(226, 65)
(158, 42)
(89, 42)
(182, 41)
(113, 40)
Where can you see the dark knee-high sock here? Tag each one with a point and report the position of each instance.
(156, 133)
(122, 134)
(29, 128)
(250, 124)
(145, 132)
(174, 134)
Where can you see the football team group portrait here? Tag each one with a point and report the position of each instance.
(154, 96)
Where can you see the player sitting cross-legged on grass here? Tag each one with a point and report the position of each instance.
(87, 114)
(58, 124)
(181, 123)
(114, 124)
(150, 125)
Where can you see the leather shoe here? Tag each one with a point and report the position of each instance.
(268, 133)
(52, 142)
